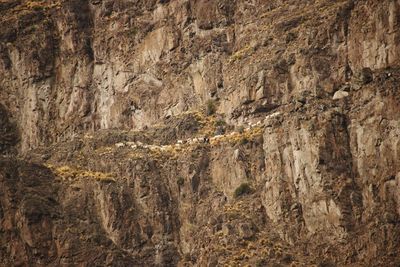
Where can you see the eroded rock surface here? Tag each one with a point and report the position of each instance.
(199, 133)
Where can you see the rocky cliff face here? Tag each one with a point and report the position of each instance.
(104, 106)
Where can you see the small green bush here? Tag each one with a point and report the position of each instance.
(220, 123)
(243, 189)
(210, 107)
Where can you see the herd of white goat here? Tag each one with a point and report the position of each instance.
(196, 140)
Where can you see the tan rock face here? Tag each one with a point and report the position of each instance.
(305, 164)
(94, 96)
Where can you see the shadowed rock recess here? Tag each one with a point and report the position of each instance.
(199, 133)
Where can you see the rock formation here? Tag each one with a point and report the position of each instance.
(199, 133)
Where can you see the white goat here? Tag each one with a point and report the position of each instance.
(119, 144)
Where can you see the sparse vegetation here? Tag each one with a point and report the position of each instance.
(133, 31)
(220, 123)
(67, 172)
(239, 138)
(211, 107)
(38, 5)
(243, 189)
(240, 54)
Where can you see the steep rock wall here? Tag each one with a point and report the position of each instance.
(316, 182)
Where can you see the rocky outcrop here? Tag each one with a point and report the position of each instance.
(199, 133)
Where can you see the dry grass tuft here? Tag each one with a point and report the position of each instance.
(70, 173)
